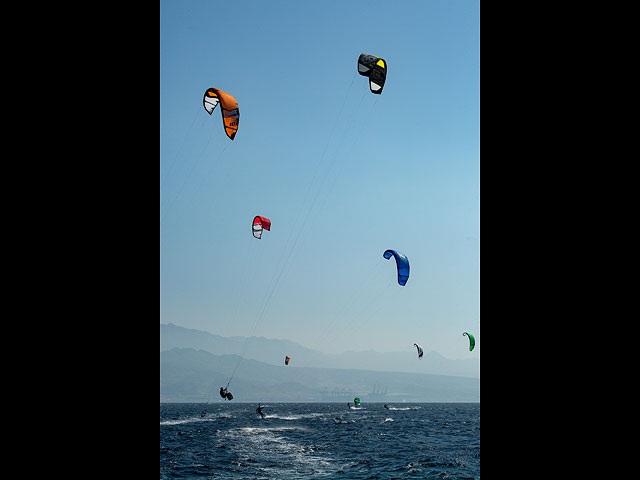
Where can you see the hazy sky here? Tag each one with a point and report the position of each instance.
(343, 174)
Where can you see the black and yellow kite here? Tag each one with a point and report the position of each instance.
(376, 69)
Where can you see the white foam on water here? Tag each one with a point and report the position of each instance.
(295, 417)
(182, 421)
(277, 448)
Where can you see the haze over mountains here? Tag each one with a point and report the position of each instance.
(273, 351)
(195, 364)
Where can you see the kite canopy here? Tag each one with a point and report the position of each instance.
(375, 68)
(228, 108)
(402, 262)
(286, 359)
(420, 352)
(472, 341)
(260, 223)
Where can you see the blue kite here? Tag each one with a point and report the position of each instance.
(402, 263)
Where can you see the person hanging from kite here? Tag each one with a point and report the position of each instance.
(225, 394)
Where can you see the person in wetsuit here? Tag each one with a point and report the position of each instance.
(385, 406)
(259, 410)
(225, 394)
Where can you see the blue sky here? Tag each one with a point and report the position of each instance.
(343, 174)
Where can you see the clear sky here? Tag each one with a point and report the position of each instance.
(343, 174)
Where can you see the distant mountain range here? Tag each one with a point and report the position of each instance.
(190, 371)
(273, 351)
(189, 375)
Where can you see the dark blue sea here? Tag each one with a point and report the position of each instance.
(320, 440)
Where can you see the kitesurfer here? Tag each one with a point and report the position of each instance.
(385, 406)
(225, 394)
(259, 410)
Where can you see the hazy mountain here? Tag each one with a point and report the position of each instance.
(189, 375)
(272, 352)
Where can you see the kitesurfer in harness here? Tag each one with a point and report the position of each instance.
(259, 410)
(349, 404)
(385, 406)
(225, 394)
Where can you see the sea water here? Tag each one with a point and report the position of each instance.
(320, 440)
